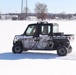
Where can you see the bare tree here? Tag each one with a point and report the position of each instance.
(41, 11)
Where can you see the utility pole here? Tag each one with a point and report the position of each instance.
(21, 6)
(26, 12)
(26, 9)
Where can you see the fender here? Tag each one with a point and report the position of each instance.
(60, 42)
(18, 43)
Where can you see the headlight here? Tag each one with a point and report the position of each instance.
(15, 39)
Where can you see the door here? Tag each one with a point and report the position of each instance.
(45, 38)
(30, 36)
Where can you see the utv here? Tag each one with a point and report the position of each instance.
(43, 36)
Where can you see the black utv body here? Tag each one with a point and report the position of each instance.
(43, 36)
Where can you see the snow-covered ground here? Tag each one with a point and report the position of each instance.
(32, 62)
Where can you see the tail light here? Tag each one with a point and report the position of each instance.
(70, 38)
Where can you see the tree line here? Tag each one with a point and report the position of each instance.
(41, 12)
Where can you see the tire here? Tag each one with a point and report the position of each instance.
(17, 49)
(62, 51)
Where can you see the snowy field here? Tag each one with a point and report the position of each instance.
(32, 62)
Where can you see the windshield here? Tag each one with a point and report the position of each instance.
(55, 28)
(31, 30)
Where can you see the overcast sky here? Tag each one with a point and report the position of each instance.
(54, 6)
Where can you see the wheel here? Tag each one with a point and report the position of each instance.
(69, 49)
(62, 51)
(17, 49)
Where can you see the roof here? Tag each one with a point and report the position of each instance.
(44, 23)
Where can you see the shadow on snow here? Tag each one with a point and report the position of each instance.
(27, 55)
(34, 55)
